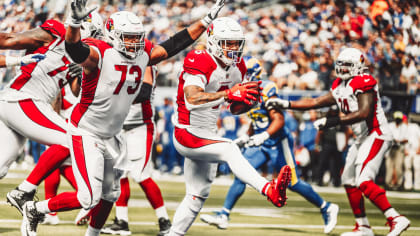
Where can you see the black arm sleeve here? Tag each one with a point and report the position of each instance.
(177, 42)
(145, 93)
(78, 52)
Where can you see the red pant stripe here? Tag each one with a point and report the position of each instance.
(376, 147)
(80, 158)
(149, 142)
(190, 140)
(33, 113)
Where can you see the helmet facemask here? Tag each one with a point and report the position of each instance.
(130, 44)
(346, 70)
(229, 51)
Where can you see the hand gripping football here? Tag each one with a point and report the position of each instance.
(237, 108)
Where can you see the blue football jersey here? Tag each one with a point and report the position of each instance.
(230, 123)
(260, 118)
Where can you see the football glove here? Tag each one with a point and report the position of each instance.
(75, 71)
(277, 104)
(25, 60)
(79, 12)
(326, 122)
(242, 93)
(257, 139)
(214, 11)
(241, 141)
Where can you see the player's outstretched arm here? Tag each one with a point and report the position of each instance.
(303, 104)
(10, 61)
(185, 37)
(29, 40)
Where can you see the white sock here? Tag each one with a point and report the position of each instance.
(324, 203)
(42, 206)
(92, 231)
(161, 212)
(362, 221)
(27, 187)
(121, 213)
(391, 212)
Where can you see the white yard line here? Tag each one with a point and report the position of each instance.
(240, 225)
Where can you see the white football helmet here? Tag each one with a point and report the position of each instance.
(350, 62)
(221, 37)
(122, 25)
(92, 26)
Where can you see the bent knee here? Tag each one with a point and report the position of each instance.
(87, 201)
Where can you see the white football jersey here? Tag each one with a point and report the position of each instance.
(108, 92)
(345, 94)
(42, 80)
(143, 112)
(201, 69)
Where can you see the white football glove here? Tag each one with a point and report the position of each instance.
(326, 122)
(241, 141)
(257, 139)
(277, 104)
(25, 60)
(320, 123)
(79, 12)
(214, 11)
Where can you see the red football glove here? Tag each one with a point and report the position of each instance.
(242, 93)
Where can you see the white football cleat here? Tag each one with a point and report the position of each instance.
(398, 225)
(360, 230)
(219, 220)
(329, 214)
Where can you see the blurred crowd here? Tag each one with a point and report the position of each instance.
(297, 42)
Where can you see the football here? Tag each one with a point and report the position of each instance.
(237, 108)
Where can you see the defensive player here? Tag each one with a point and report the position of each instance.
(357, 96)
(113, 72)
(140, 132)
(209, 78)
(38, 90)
(269, 139)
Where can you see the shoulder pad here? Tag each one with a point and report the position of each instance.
(199, 62)
(269, 90)
(336, 82)
(54, 28)
(148, 47)
(101, 45)
(362, 83)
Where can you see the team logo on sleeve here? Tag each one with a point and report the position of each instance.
(89, 18)
(362, 59)
(110, 24)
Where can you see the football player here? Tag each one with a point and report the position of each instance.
(269, 139)
(357, 96)
(112, 81)
(40, 86)
(209, 78)
(140, 132)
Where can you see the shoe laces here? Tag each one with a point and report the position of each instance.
(356, 227)
(35, 216)
(390, 221)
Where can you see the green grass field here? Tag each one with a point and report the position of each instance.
(253, 215)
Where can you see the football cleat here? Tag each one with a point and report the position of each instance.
(360, 230)
(51, 220)
(278, 186)
(18, 198)
(119, 227)
(82, 217)
(164, 226)
(329, 214)
(221, 221)
(398, 225)
(31, 218)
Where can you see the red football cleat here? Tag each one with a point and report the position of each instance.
(278, 186)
